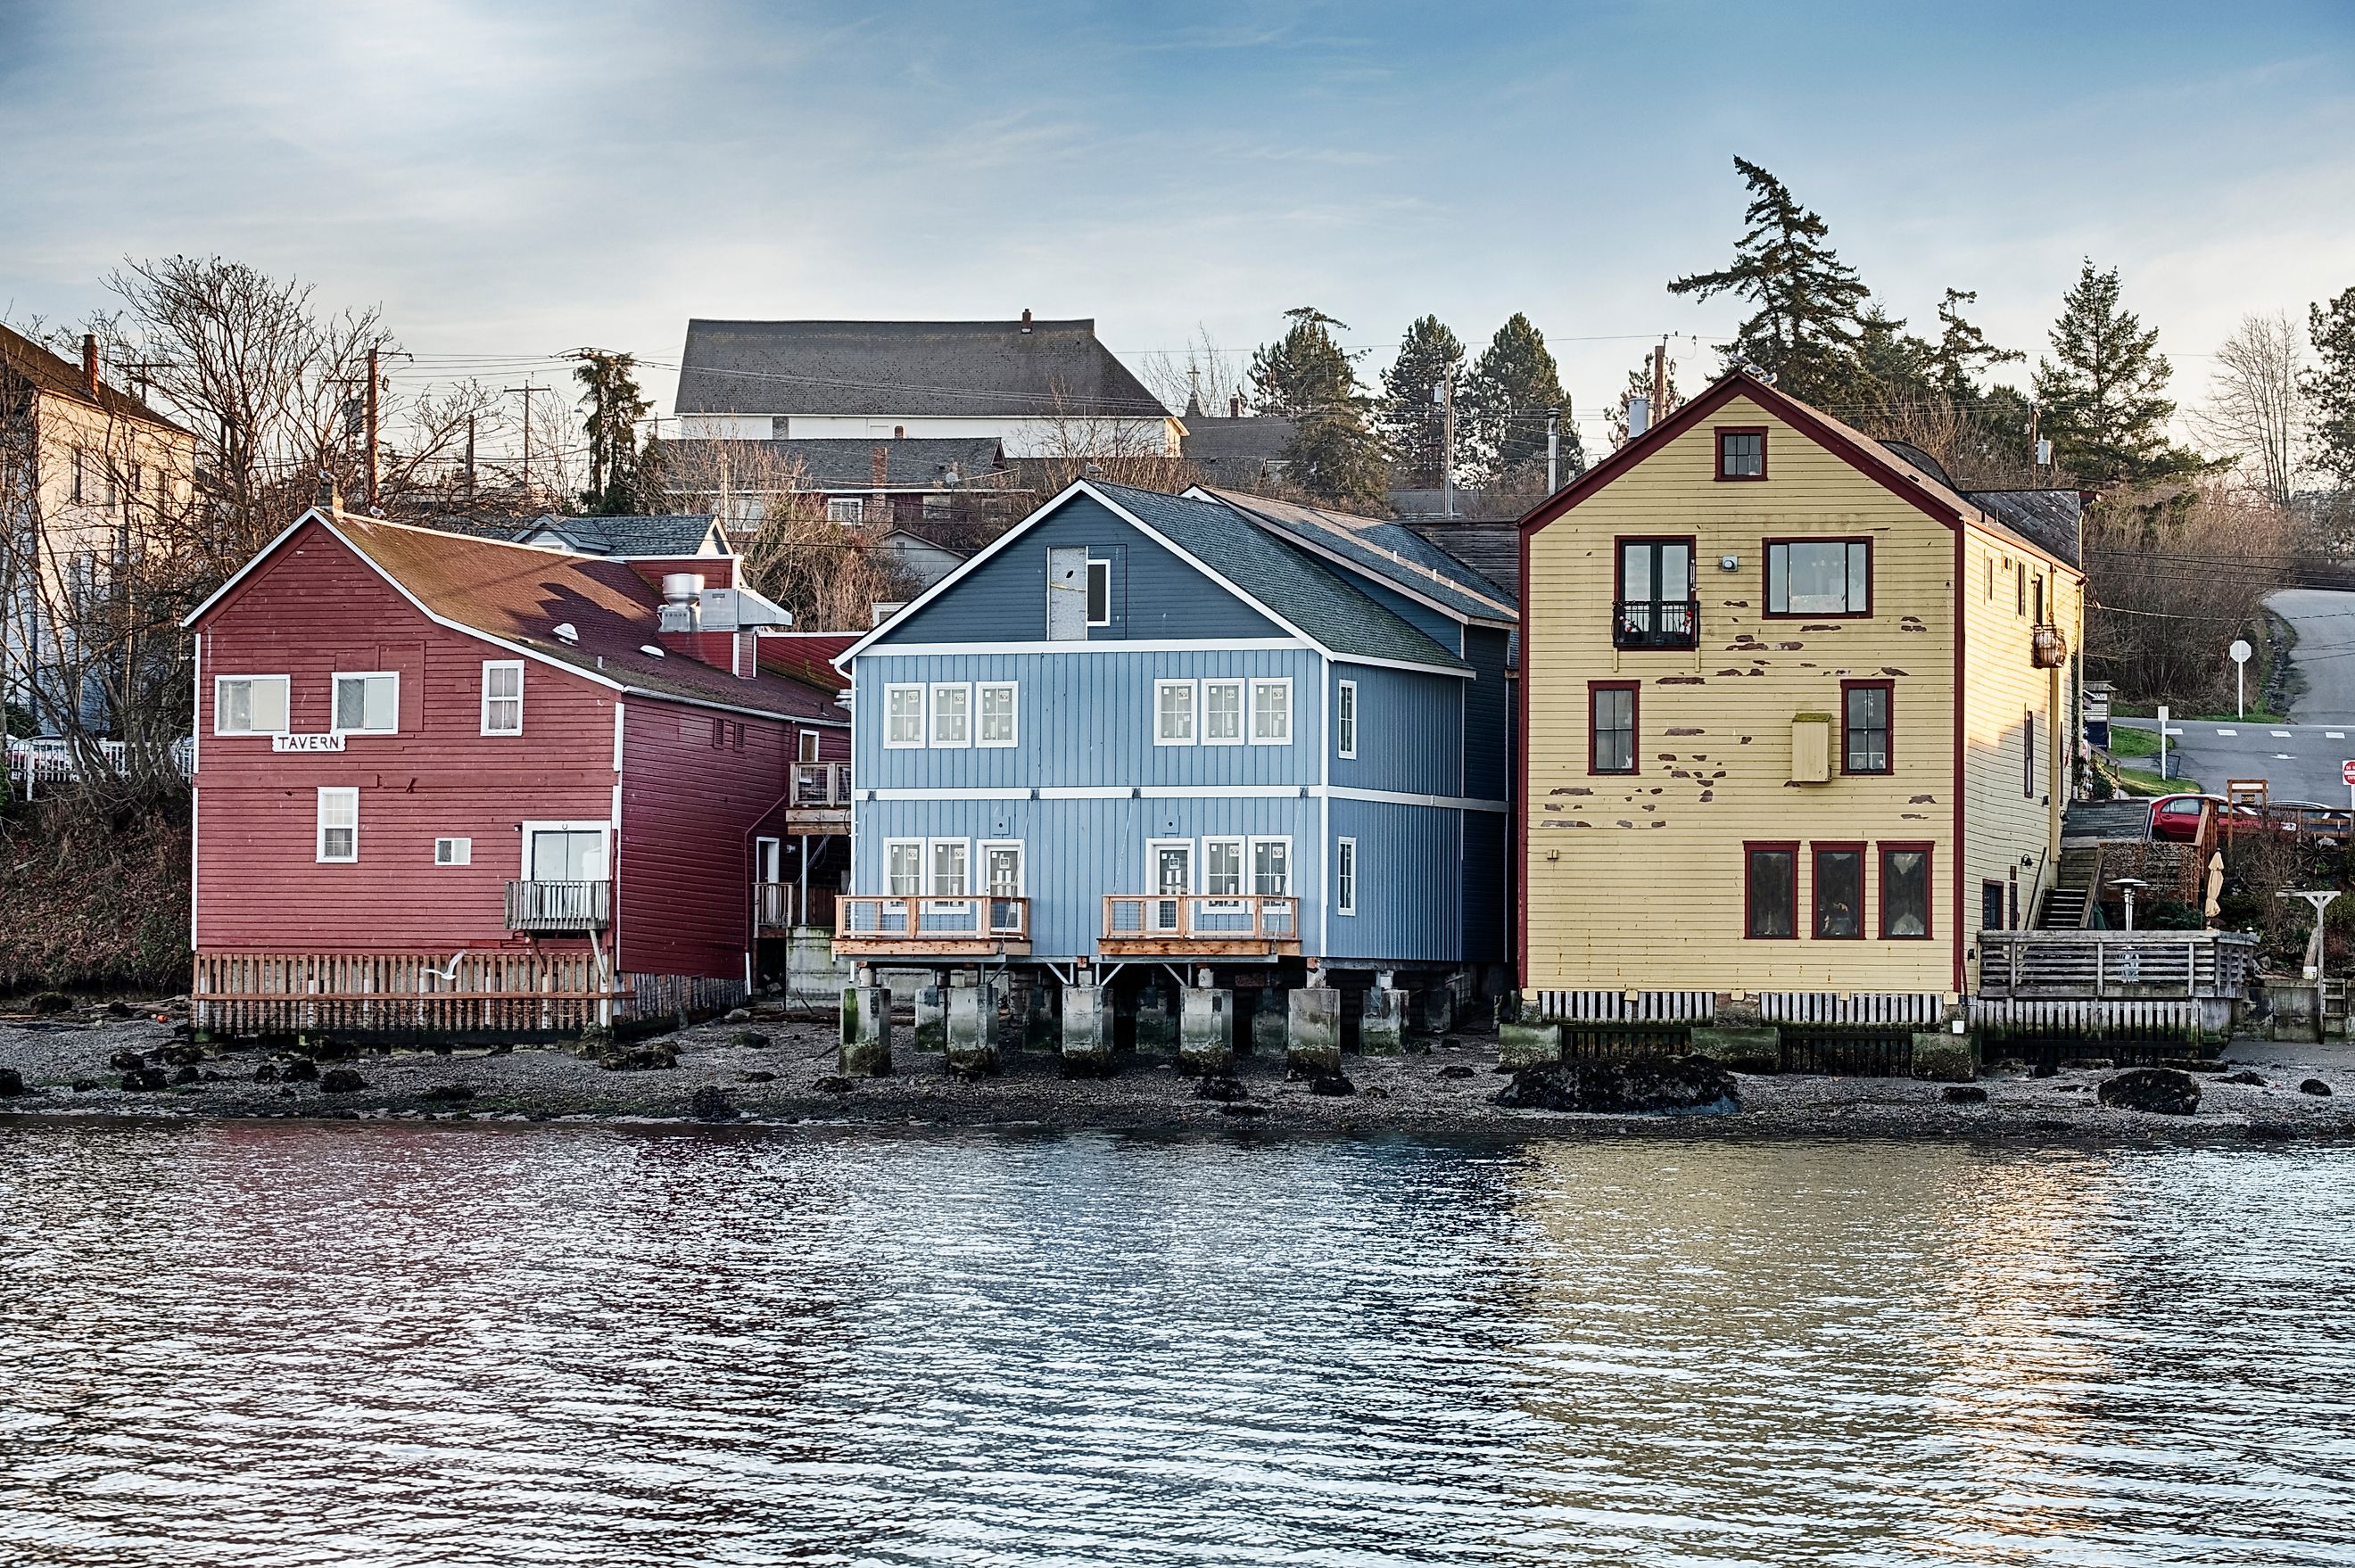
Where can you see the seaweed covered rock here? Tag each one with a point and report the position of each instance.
(1633, 1085)
(1963, 1095)
(655, 1056)
(301, 1070)
(712, 1103)
(1219, 1086)
(2315, 1087)
(2162, 1091)
(341, 1081)
(12, 1084)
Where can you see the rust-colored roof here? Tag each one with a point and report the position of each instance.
(809, 656)
(521, 593)
(62, 378)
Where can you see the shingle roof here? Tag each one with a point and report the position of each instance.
(1286, 580)
(1385, 549)
(1490, 547)
(2051, 519)
(60, 376)
(665, 534)
(519, 594)
(970, 368)
(847, 463)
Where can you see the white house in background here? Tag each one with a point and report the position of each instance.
(1038, 388)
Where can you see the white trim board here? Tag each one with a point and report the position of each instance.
(1106, 646)
(1195, 792)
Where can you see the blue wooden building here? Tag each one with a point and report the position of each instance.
(1197, 732)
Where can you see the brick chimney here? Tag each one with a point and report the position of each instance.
(1026, 318)
(90, 363)
(882, 466)
(1235, 405)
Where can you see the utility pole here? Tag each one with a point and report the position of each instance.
(1443, 395)
(527, 389)
(1553, 450)
(1660, 380)
(371, 414)
(470, 462)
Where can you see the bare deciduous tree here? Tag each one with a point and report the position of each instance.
(2255, 411)
(1201, 372)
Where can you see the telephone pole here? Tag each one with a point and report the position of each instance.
(470, 462)
(1553, 450)
(1443, 395)
(527, 389)
(1660, 380)
(370, 416)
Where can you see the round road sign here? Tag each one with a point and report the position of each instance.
(2239, 651)
(2346, 771)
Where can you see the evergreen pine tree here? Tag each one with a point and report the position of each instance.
(1805, 327)
(2330, 387)
(1410, 418)
(2101, 399)
(1306, 375)
(1502, 412)
(1963, 353)
(615, 405)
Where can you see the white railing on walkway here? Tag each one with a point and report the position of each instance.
(48, 760)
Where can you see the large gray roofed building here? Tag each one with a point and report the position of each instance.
(923, 369)
(1384, 549)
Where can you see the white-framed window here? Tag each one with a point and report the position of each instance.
(367, 704)
(904, 718)
(502, 697)
(564, 851)
(903, 866)
(453, 851)
(340, 826)
(1222, 866)
(1001, 704)
(1173, 713)
(1345, 717)
(1099, 593)
(807, 746)
(948, 868)
(845, 510)
(250, 705)
(1271, 712)
(1222, 713)
(952, 716)
(1001, 868)
(1345, 876)
(1271, 867)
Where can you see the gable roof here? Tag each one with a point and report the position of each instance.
(62, 378)
(1280, 581)
(968, 369)
(514, 596)
(1929, 492)
(847, 463)
(1396, 556)
(662, 534)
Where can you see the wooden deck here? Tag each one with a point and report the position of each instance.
(2097, 966)
(1199, 926)
(916, 926)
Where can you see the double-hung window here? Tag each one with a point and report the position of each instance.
(1611, 732)
(340, 826)
(1345, 876)
(1271, 867)
(367, 704)
(1770, 891)
(1864, 726)
(1819, 577)
(1905, 891)
(1840, 891)
(952, 716)
(1222, 867)
(903, 866)
(1345, 719)
(502, 697)
(250, 705)
(999, 725)
(1173, 712)
(1270, 714)
(952, 867)
(1222, 713)
(904, 718)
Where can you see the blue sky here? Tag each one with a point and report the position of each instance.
(514, 180)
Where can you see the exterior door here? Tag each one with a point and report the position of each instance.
(568, 854)
(1173, 877)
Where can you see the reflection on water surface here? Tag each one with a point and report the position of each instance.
(408, 1345)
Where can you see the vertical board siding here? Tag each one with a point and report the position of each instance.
(1635, 884)
(1488, 715)
(1154, 594)
(684, 899)
(1408, 726)
(314, 610)
(1410, 882)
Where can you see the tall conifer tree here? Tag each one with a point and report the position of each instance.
(1411, 419)
(1807, 303)
(2101, 398)
(1513, 388)
(2330, 387)
(1306, 375)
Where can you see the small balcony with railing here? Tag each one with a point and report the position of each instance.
(1655, 623)
(786, 906)
(902, 925)
(1148, 925)
(819, 799)
(559, 908)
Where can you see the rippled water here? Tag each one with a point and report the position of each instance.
(260, 1344)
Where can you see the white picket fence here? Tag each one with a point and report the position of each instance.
(1923, 1009)
(1623, 1007)
(43, 761)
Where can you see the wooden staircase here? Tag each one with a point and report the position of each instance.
(2069, 903)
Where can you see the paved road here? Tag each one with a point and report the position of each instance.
(2325, 656)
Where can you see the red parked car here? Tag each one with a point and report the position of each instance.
(2176, 817)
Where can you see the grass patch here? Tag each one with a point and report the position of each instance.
(2135, 782)
(2126, 742)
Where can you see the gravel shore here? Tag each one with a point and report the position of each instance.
(788, 1077)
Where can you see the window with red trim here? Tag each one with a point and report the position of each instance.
(1611, 726)
(1905, 892)
(1742, 452)
(1770, 891)
(1866, 712)
(1828, 578)
(1840, 891)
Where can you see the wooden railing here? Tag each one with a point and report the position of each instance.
(1200, 922)
(781, 906)
(400, 993)
(870, 923)
(2098, 964)
(820, 785)
(560, 906)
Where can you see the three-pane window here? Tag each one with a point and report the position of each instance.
(1865, 727)
(1222, 867)
(1819, 577)
(367, 704)
(1222, 713)
(250, 705)
(1904, 892)
(502, 697)
(1770, 892)
(952, 716)
(339, 824)
(1612, 735)
(1840, 894)
(950, 865)
(903, 866)
(1271, 867)
(903, 717)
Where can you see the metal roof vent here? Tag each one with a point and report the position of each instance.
(650, 648)
(566, 632)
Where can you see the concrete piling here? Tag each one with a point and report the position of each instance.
(1206, 1029)
(1039, 1028)
(972, 1043)
(1434, 1009)
(1087, 1027)
(1381, 1023)
(932, 1032)
(1156, 1030)
(1312, 1033)
(1267, 1024)
(866, 1032)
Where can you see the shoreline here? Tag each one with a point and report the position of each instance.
(789, 1081)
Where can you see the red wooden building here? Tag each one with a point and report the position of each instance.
(450, 784)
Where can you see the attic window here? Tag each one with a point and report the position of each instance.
(1742, 452)
(566, 632)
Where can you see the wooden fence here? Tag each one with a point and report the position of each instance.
(1915, 1009)
(1624, 1006)
(2094, 965)
(404, 993)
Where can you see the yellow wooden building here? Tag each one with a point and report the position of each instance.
(1798, 716)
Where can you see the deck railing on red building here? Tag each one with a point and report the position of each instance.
(560, 906)
(821, 783)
